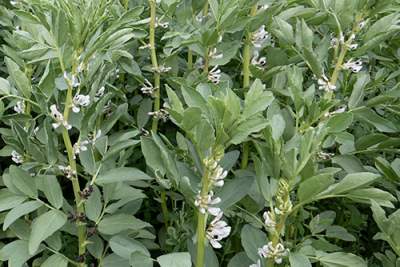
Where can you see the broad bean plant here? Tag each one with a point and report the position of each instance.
(205, 133)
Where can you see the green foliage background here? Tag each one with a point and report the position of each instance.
(301, 131)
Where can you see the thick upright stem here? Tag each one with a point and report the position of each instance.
(246, 81)
(75, 182)
(157, 83)
(201, 223)
(154, 63)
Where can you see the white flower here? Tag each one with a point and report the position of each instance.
(146, 46)
(161, 69)
(362, 24)
(214, 54)
(215, 75)
(147, 88)
(80, 101)
(14, 3)
(59, 118)
(338, 111)
(20, 107)
(276, 253)
(74, 81)
(161, 114)
(217, 230)
(354, 66)
(257, 264)
(99, 94)
(80, 68)
(80, 146)
(269, 219)
(16, 157)
(259, 62)
(325, 84)
(324, 155)
(260, 37)
(353, 46)
(218, 175)
(204, 203)
(263, 7)
(68, 172)
(161, 24)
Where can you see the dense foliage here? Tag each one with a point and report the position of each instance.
(180, 133)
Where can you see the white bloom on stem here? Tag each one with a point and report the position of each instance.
(160, 114)
(99, 94)
(217, 230)
(59, 118)
(325, 84)
(259, 62)
(19, 107)
(214, 54)
(146, 46)
(68, 172)
(353, 46)
(147, 88)
(277, 253)
(161, 24)
(269, 219)
(218, 175)
(260, 37)
(80, 101)
(362, 24)
(214, 75)
(16, 157)
(257, 264)
(263, 7)
(80, 146)
(204, 203)
(325, 155)
(354, 66)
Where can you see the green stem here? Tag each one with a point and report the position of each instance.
(75, 182)
(201, 223)
(164, 208)
(246, 82)
(154, 62)
(206, 58)
(190, 60)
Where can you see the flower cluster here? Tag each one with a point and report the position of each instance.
(99, 94)
(19, 107)
(81, 146)
(59, 118)
(213, 54)
(269, 219)
(73, 81)
(260, 37)
(68, 171)
(204, 203)
(277, 252)
(214, 75)
(160, 114)
(258, 61)
(16, 157)
(217, 230)
(147, 88)
(354, 66)
(80, 101)
(325, 84)
(161, 69)
(283, 202)
(164, 25)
